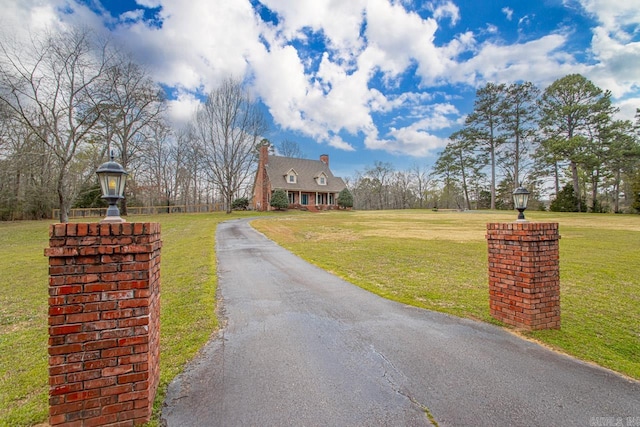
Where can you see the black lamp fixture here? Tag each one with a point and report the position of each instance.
(112, 179)
(520, 200)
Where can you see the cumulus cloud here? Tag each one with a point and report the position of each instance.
(612, 45)
(22, 18)
(340, 21)
(628, 108)
(200, 42)
(351, 92)
(182, 108)
(620, 18)
(446, 9)
(418, 139)
(540, 61)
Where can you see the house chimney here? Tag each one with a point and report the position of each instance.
(324, 158)
(264, 152)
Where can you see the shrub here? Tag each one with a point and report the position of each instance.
(240, 204)
(279, 200)
(566, 201)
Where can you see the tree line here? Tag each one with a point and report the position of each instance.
(68, 98)
(563, 144)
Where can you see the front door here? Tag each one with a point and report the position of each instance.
(305, 199)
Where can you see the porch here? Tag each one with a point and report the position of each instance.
(313, 201)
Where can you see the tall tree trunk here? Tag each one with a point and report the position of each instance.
(493, 178)
(516, 166)
(616, 193)
(594, 193)
(64, 205)
(123, 206)
(576, 184)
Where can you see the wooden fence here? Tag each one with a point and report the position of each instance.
(141, 210)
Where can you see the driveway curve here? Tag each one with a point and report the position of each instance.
(301, 347)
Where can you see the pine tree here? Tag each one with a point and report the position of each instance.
(345, 199)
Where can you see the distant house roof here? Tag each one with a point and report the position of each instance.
(307, 172)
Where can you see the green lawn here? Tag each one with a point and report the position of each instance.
(438, 260)
(435, 260)
(188, 305)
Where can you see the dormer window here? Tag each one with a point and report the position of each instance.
(291, 177)
(321, 179)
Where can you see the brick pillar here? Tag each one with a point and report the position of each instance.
(261, 184)
(104, 323)
(524, 274)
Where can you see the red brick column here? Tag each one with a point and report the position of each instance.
(524, 274)
(104, 323)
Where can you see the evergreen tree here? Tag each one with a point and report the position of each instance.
(345, 199)
(571, 109)
(279, 200)
(635, 188)
(463, 162)
(483, 126)
(519, 115)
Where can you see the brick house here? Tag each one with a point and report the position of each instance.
(309, 184)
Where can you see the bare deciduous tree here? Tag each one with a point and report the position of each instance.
(53, 86)
(288, 148)
(157, 169)
(133, 107)
(420, 179)
(229, 125)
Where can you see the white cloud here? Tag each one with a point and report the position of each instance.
(399, 39)
(151, 4)
(181, 109)
(418, 139)
(627, 108)
(524, 21)
(132, 15)
(335, 97)
(410, 140)
(340, 144)
(612, 45)
(22, 18)
(200, 43)
(446, 10)
(620, 18)
(340, 21)
(541, 61)
(508, 12)
(396, 36)
(619, 67)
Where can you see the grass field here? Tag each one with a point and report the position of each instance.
(438, 260)
(435, 260)
(187, 307)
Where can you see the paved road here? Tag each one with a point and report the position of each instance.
(303, 348)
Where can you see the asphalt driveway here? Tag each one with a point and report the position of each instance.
(300, 347)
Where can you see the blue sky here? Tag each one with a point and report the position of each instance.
(361, 80)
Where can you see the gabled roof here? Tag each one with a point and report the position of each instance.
(308, 170)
